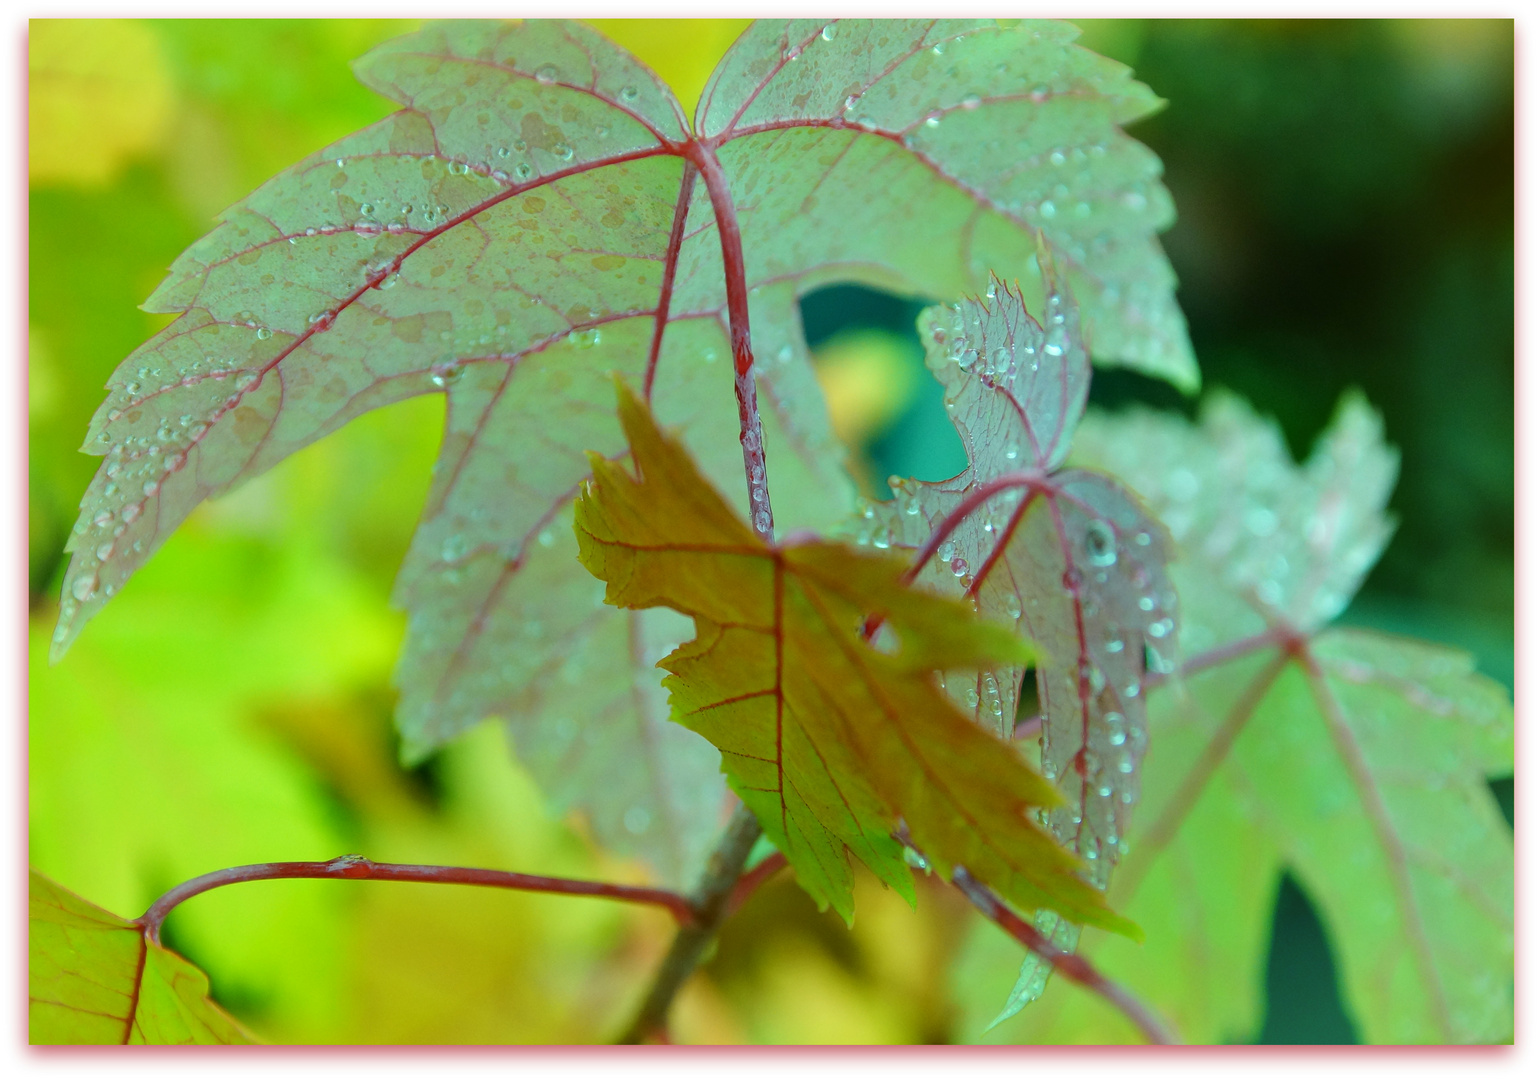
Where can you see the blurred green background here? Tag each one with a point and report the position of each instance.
(1345, 192)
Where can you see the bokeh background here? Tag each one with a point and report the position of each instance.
(1345, 192)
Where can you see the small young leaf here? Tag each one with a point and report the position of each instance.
(94, 978)
(831, 741)
(1066, 554)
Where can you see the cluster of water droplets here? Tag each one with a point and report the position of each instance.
(758, 489)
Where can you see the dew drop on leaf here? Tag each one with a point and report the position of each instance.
(637, 820)
(1100, 544)
(83, 587)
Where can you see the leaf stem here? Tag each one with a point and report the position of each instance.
(709, 904)
(358, 868)
(1284, 636)
(959, 513)
(750, 431)
(1069, 965)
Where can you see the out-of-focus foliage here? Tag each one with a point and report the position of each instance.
(1344, 209)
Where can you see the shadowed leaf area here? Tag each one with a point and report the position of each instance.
(829, 739)
(539, 212)
(95, 978)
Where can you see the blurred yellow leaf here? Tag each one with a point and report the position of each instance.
(99, 93)
(867, 380)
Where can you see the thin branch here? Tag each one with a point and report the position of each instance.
(709, 902)
(358, 868)
(749, 883)
(1070, 966)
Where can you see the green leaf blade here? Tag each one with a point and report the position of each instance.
(1016, 119)
(94, 979)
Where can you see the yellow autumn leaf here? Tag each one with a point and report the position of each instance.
(832, 742)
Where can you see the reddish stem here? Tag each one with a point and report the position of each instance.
(752, 879)
(1222, 654)
(357, 868)
(1070, 966)
(750, 431)
(670, 271)
(959, 513)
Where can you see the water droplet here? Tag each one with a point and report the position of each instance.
(761, 521)
(547, 74)
(1100, 544)
(1114, 645)
(629, 94)
(637, 820)
(1012, 606)
(132, 388)
(150, 488)
(446, 374)
(245, 379)
(830, 31)
(263, 334)
(102, 519)
(546, 538)
(972, 697)
(971, 101)
(83, 587)
(454, 548)
(522, 171)
(932, 121)
(946, 551)
(1048, 208)
(1160, 628)
(959, 566)
(104, 551)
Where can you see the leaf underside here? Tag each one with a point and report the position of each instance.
(830, 740)
(528, 222)
(93, 978)
(1068, 556)
(1358, 764)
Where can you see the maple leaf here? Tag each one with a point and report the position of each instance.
(94, 978)
(831, 741)
(1354, 759)
(1067, 555)
(538, 213)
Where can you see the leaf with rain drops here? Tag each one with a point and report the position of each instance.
(1067, 555)
(93, 978)
(539, 213)
(831, 740)
(1354, 759)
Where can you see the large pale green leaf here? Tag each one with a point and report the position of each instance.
(1356, 760)
(94, 978)
(528, 221)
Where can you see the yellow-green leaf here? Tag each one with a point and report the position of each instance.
(93, 978)
(830, 740)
